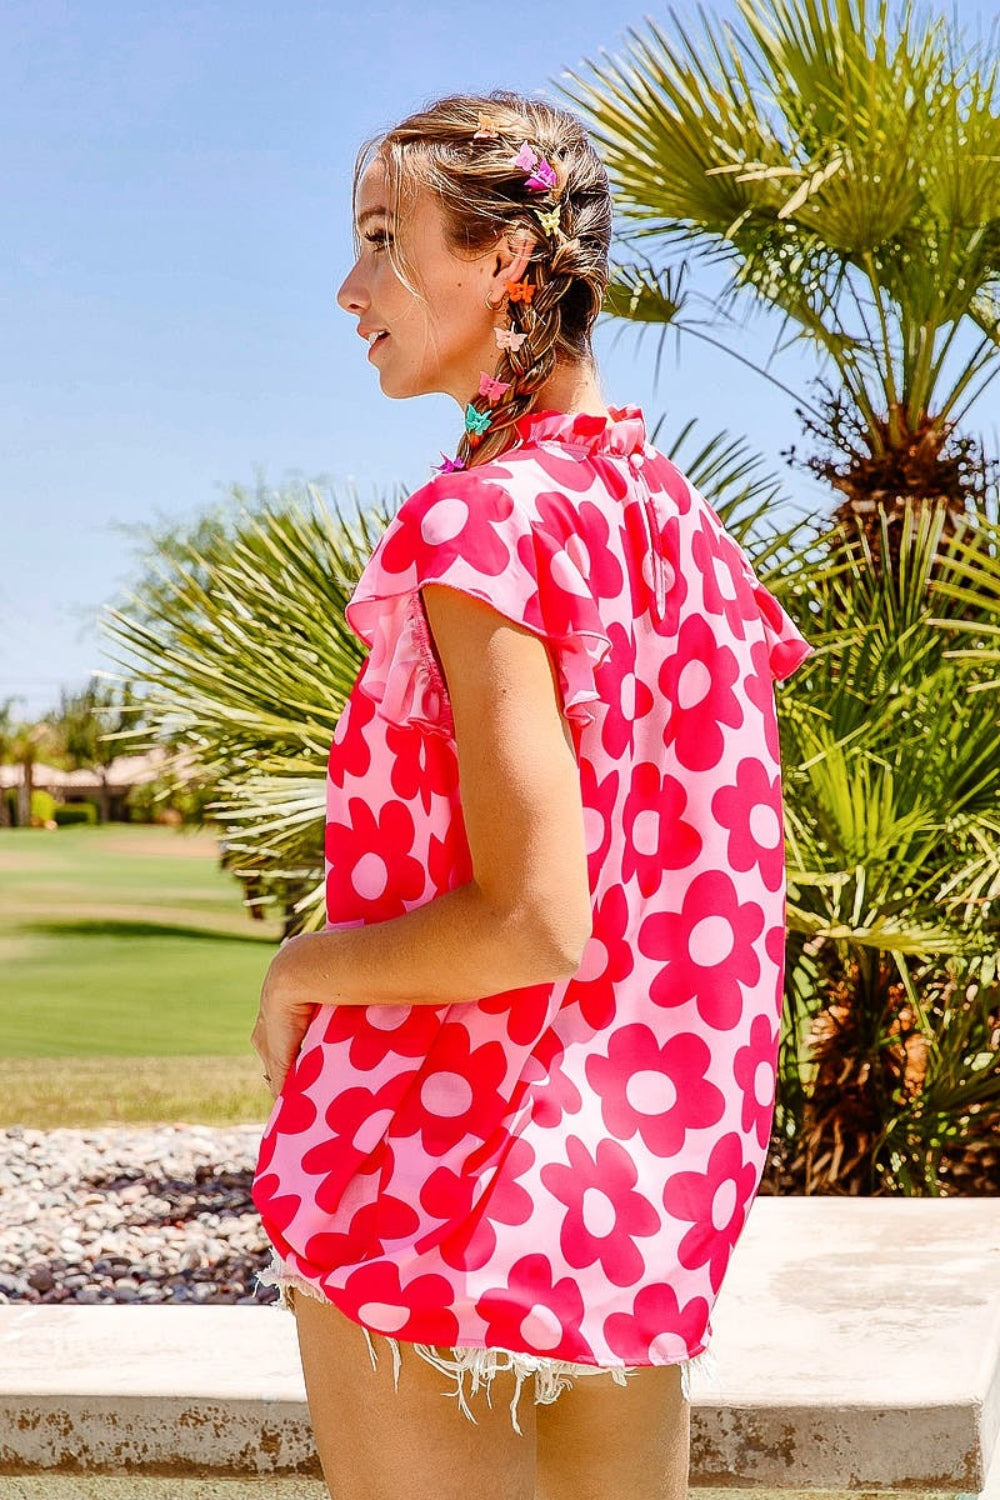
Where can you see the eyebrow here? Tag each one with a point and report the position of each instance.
(373, 213)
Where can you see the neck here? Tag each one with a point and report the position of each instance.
(572, 388)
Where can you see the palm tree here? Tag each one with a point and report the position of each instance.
(89, 726)
(841, 167)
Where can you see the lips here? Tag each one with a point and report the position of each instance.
(377, 343)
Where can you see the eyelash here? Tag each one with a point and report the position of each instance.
(379, 239)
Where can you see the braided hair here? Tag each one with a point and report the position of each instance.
(483, 195)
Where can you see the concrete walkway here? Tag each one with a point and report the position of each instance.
(857, 1342)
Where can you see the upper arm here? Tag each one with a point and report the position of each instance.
(520, 784)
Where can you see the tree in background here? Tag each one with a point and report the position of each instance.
(89, 727)
(841, 167)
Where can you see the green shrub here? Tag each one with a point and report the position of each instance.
(43, 806)
(68, 813)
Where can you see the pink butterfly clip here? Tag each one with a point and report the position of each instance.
(450, 465)
(492, 389)
(507, 338)
(541, 175)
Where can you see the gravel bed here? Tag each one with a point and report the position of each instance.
(160, 1213)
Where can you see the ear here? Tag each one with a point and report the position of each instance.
(509, 260)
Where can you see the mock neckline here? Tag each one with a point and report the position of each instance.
(624, 432)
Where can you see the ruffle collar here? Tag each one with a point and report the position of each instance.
(623, 433)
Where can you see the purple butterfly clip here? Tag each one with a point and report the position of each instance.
(450, 465)
(541, 175)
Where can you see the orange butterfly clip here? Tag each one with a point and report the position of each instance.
(520, 291)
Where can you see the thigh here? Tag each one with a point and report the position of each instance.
(601, 1439)
(377, 1443)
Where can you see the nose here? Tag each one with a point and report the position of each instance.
(351, 295)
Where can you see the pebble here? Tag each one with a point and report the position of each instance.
(124, 1214)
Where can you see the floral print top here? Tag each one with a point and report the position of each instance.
(562, 1170)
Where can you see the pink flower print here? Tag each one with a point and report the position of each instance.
(463, 1201)
(453, 516)
(659, 1091)
(418, 766)
(752, 812)
(457, 1093)
(627, 697)
(754, 1069)
(350, 754)
(726, 589)
(607, 959)
(675, 581)
(276, 1209)
(358, 1119)
(605, 573)
(418, 1311)
(715, 1201)
(758, 686)
(664, 478)
(533, 1311)
(372, 873)
(555, 1093)
(656, 836)
(387, 1219)
(707, 949)
(599, 799)
(697, 680)
(604, 1213)
(449, 862)
(526, 1010)
(577, 472)
(658, 1330)
(376, 1032)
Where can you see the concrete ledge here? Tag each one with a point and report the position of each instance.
(858, 1343)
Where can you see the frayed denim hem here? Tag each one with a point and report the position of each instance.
(551, 1376)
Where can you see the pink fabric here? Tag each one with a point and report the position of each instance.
(562, 1170)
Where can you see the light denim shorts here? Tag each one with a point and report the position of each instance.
(479, 1366)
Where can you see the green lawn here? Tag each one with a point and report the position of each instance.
(121, 943)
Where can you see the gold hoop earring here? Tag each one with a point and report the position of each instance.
(494, 306)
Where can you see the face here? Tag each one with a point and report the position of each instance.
(440, 343)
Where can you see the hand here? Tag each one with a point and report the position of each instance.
(283, 1017)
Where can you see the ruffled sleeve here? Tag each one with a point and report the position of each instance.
(787, 647)
(465, 530)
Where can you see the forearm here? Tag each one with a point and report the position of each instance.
(455, 947)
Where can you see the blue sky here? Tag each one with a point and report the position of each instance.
(174, 222)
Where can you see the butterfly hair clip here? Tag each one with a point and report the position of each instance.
(541, 173)
(476, 422)
(450, 465)
(509, 338)
(492, 389)
(549, 219)
(488, 130)
(520, 291)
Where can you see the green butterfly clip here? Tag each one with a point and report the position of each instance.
(477, 421)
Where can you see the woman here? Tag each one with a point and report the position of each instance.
(524, 1079)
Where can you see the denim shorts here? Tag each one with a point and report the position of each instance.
(479, 1366)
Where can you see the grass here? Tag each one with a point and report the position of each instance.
(130, 979)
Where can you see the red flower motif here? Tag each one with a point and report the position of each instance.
(707, 949)
(419, 1312)
(599, 799)
(607, 959)
(626, 696)
(604, 1214)
(716, 1202)
(376, 1032)
(421, 765)
(358, 1119)
(752, 812)
(449, 862)
(371, 872)
(387, 1218)
(350, 754)
(726, 589)
(578, 471)
(457, 1092)
(657, 1330)
(656, 836)
(453, 516)
(467, 1240)
(526, 1010)
(659, 1091)
(276, 1209)
(663, 477)
(532, 1312)
(697, 680)
(755, 1068)
(605, 576)
(758, 686)
(554, 1092)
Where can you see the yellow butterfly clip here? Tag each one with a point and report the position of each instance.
(549, 219)
(488, 130)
